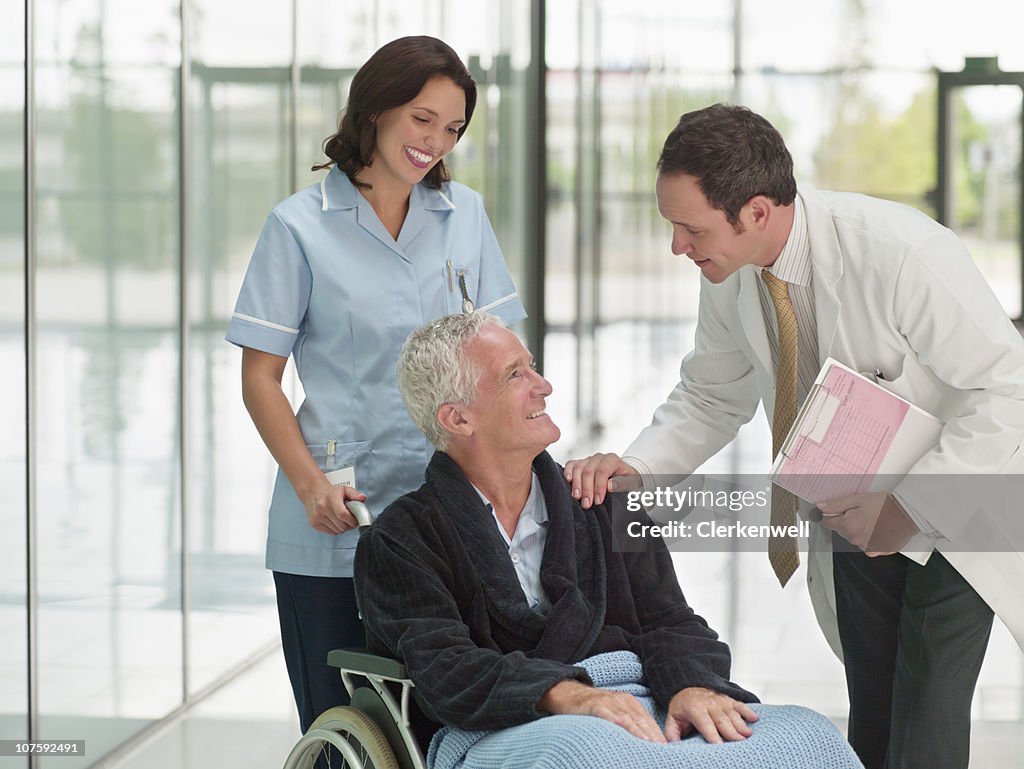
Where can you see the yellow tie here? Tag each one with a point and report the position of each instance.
(782, 552)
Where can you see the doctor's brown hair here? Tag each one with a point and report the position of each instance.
(391, 77)
(734, 154)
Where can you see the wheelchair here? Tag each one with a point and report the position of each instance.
(375, 731)
(382, 727)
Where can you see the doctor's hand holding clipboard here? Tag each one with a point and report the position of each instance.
(850, 444)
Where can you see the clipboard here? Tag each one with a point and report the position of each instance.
(850, 436)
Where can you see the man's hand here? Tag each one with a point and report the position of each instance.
(716, 716)
(325, 507)
(575, 698)
(592, 478)
(873, 522)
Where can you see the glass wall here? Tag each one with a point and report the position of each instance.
(983, 200)
(619, 307)
(239, 164)
(108, 513)
(14, 639)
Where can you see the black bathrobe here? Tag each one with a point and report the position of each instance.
(437, 590)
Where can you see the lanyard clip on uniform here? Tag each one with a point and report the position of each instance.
(331, 448)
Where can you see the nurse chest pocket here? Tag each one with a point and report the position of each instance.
(459, 286)
(344, 464)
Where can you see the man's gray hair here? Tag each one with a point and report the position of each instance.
(433, 369)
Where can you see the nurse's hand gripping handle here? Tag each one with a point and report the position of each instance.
(360, 512)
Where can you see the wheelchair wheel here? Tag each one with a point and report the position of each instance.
(356, 737)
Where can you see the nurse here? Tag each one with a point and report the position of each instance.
(343, 271)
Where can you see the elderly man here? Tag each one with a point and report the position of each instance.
(515, 616)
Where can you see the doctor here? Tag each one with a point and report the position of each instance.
(789, 278)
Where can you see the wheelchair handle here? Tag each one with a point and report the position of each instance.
(361, 512)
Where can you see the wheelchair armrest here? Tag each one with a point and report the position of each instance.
(361, 661)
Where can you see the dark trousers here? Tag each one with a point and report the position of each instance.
(913, 639)
(317, 614)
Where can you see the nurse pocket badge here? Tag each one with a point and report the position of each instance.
(342, 476)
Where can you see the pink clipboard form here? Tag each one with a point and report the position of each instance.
(851, 436)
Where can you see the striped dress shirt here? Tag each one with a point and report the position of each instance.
(794, 267)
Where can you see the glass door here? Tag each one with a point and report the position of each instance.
(980, 174)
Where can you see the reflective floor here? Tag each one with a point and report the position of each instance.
(250, 723)
(778, 650)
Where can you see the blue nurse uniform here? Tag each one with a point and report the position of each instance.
(328, 284)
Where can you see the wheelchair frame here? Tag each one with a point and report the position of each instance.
(346, 727)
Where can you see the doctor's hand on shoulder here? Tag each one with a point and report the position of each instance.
(595, 476)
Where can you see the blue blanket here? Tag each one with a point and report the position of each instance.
(784, 736)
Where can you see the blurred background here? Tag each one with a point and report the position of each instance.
(141, 146)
